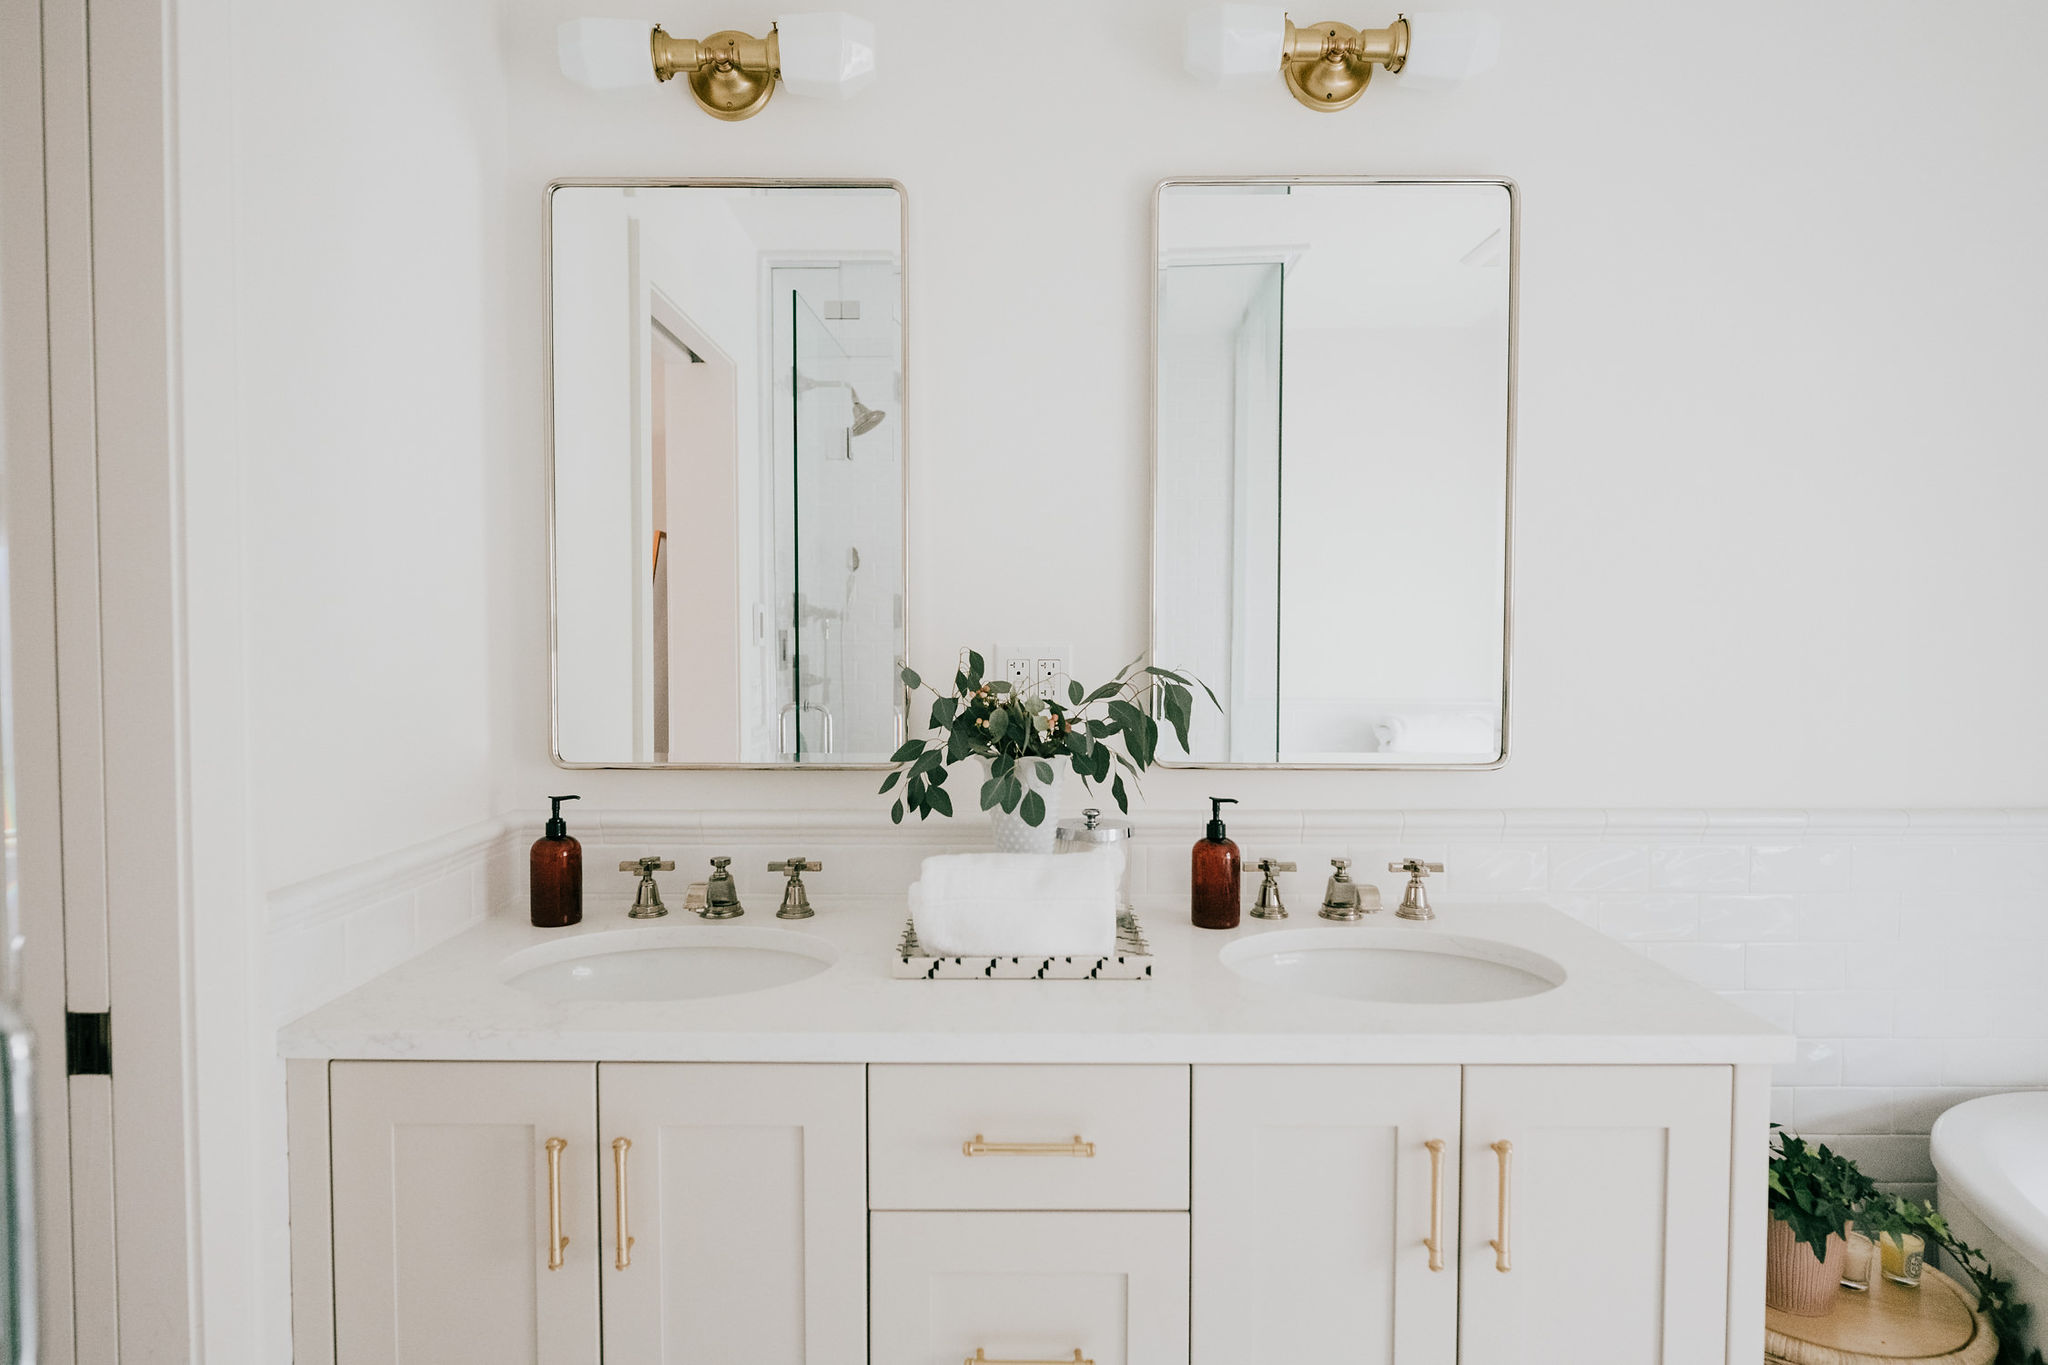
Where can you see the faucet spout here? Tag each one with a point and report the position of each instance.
(1346, 900)
(721, 893)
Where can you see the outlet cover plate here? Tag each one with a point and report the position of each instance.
(1026, 664)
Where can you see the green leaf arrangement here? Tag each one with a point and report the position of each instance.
(1820, 1192)
(1056, 720)
(1815, 1190)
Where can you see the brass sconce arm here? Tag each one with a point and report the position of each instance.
(731, 74)
(1333, 42)
(1328, 65)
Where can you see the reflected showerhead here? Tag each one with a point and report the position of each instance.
(865, 418)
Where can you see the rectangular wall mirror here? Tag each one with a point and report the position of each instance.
(727, 511)
(1333, 432)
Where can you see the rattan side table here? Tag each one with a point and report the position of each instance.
(1936, 1324)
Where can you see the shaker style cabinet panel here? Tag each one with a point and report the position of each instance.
(743, 1192)
(950, 1287)
(1595, 1222)
(453, 1184)
(1318, 1191)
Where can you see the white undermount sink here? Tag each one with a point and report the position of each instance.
(1393, 965)
(680, 962)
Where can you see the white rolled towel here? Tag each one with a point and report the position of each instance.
(1018, 904)
(1439, 732)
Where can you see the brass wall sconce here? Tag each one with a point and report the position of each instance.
(1328, 65)
(732, 75)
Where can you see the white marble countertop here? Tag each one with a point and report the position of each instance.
(1614, 1006)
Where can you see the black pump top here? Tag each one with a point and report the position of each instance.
(558, 828)
(1216, 805)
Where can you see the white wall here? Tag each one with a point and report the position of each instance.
(362, 398)
(377, 407)
(1774, 524)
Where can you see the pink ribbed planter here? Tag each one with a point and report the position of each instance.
(1795, 1280)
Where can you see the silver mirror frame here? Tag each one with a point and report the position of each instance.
(548, 425)
(1508, 521)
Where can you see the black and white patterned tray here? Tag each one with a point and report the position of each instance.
(1132, 961)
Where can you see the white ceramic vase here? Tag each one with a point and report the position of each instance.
(1012, 835)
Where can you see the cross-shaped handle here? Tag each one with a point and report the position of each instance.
(643, 866)
(796, 864)
(1268, 865)
(1415, 867)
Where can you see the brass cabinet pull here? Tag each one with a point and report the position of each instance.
(1435, 1240)
(1502, 1261)
(620, 1146)
(557, 1243)
(978, 1146)
(978, 1358)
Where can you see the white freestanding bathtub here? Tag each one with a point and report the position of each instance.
(1991, 1159)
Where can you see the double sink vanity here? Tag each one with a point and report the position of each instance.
(1492, 1139)
(1497, 1137)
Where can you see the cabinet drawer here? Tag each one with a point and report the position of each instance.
(1029, 1287)
(924, 1123)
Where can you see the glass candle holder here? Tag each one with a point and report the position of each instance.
(1903, 1256)
(1859, 1255)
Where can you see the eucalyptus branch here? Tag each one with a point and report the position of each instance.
(1095, 733)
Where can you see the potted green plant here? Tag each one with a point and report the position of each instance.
(1815, 1193)
(1021, 735)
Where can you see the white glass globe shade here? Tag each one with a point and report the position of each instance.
(607, 54)
(1236, 42)
(828, 55)
(1447, 47)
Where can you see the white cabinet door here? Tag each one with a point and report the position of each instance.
(1599, 1233)
(444, 1194)
(1029, 1287)
(1316, 1193)
(745, 1195)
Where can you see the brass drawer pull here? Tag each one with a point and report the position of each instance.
(1502, 1261)
(979, 1146)
(1435, 1240)
(978, 1358)
(620, 1146)
(557, 1243)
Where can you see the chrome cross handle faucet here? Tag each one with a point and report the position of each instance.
(1268, 905)
(1415, 900)
(721, 894)
(796, 904)
(647, 902)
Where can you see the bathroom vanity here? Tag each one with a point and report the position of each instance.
(1295, 1143)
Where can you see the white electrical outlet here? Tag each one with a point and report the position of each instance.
(1029, 665)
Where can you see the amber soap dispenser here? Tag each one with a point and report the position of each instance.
(558, 873)
(1218, 873)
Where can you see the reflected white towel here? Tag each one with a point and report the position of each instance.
(1018, 904)
(1453, 732)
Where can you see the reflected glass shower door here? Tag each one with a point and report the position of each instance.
(813, 683)
(838, 533)
(818, 555)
